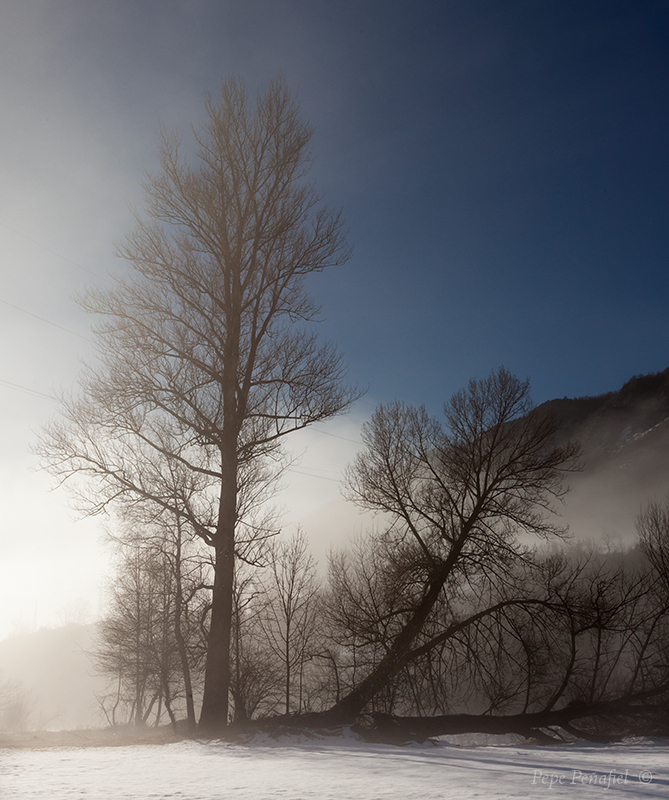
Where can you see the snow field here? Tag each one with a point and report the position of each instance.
(325, 770)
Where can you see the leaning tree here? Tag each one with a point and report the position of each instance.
(451, 586)
(458, 500)
(206, 357)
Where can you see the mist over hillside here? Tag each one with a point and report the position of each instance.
(624, 436)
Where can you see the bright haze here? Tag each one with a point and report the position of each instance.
(503, 167)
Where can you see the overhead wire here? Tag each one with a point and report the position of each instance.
(16, 386)
(53, 252)
(44, 319)
(311, 475)
(25, 389)
(337, 436)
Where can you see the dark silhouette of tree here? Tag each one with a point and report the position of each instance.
(456, 500)
(206, 358)
(653, 530)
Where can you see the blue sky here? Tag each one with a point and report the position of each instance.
(512, 207)
(502, 165)
(503, 168)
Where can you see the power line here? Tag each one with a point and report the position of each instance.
(59, 255)
(53, 252)
(310, 475)
(25, 389)
(321, 469)
(337, 436)
(48, 321)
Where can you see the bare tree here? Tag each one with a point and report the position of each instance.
(206, 361)
(570, 640)
(457, 500)
(256, 673)
(653, 530)
(150, 641)
(290, 612)
(132, 649)
(15, 705)
(590, 659)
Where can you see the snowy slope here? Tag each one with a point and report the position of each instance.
(325, 770)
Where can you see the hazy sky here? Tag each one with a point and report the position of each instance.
(503, 167)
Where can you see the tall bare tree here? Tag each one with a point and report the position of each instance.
(206, 358)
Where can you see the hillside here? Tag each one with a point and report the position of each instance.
(624, 435)
(607, 421)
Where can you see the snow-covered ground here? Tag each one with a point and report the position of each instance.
(325, 769)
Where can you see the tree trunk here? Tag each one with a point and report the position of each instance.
(215, 701)
(631, 710)
(287, 659)
(214, 716)
(634, 712)
(351, 705)
(178, 634)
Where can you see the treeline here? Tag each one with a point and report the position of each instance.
(575, 640)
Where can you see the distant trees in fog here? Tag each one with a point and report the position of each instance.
(289, 618)
(152, 639)
(276, 631)
(653, 529)
(15, 705)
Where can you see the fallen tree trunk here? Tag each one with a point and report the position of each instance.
(606, 721)
(389, 728)
(632, 714)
